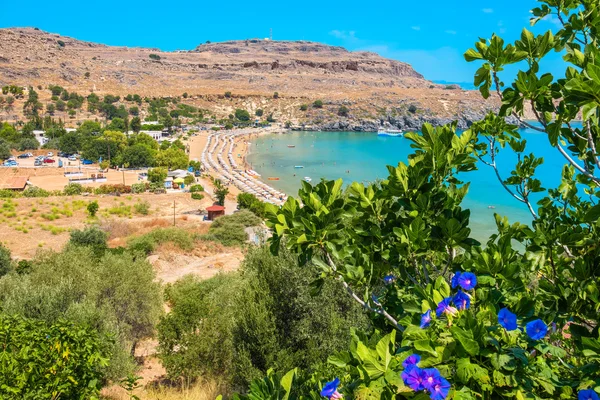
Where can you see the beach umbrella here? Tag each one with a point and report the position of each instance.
(178, 180)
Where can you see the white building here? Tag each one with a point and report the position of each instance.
(40, 137)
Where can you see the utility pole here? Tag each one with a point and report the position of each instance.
(173, 212)
(123, 177)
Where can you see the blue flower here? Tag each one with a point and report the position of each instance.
(455, 279)
(536, 329)
(467, 280)
(444, 307)
(430, 378)
(411, 361)
(388, 279)
(507, 319)
(426, 319)
(587, 394)
(440, 389)
(462, 300)
(330, 388)
(413, 378)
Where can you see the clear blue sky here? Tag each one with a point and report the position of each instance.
(430, 35)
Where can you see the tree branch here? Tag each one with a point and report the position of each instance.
(381, 311)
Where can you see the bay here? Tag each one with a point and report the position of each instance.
(363, 156)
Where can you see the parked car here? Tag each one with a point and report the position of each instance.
(62, 154)
(49, 160)
(72, 158)
(24, 155)
(10, 163)
(87, 162)
(50, 154)
(37, 163)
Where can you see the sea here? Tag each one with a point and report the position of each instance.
(363, 157)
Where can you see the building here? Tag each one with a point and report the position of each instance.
(156, 135)
(40, 137)
(215, 212)
(15, 183)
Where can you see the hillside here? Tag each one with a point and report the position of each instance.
(372, 86)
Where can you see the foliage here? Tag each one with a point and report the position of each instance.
(154, 57)
(92, 208)
(221, 191)
(303, 107)
(197, 196)
(318, 104)
(142, 207)
(114, 294)
(157, 175)
(42, 360)
(234, 326)
(242, 115)
(73, 189)
(34, 191)
(91, 236)
(251, 202)
(28, 144)
(172, 158)
(147, 243)
(343, 111)
(138, 156)
(189, 179)
(229, 230)
(6, 263)
(141, 187)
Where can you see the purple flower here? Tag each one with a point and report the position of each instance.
(430, 378)
(462, 300)
(388, 279)
(467, 280)
(444, 307)
(536, 329)
(413, 378)
(455, 279)
(440, 389)
(507, 319)
(426, 319)
(587, 394)
(330, 388)
(411, 361)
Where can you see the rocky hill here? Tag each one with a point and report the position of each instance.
(373, 87)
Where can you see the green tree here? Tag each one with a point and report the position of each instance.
(172, 158)
(318, 104)
(50, 108)
(6, 263)
(157, 175)
(61, 105)
(221, 191)
(28, 144)
(136, 124)
(242, 115)
(70, 143)
(92, 208)
(259, 112)
(343, 111)
(304, 107)
(137, 156)
(9, 133)
(146, 140)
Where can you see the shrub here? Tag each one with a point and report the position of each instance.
(147, 243)
(113, 188)
(60, 43)
(196, 188)
(91, 236)
(6, 263)
(139, 187)
(318, 104)
(73, 189)
(92, 208)
(9, 194)
(304, 107)
(250, 202)
(34, 191)
(189, 179)
(142, 207)
(67, 358)
(157, 175)
(197, 196)
(155, 57)
(343, 111)
(227, 95)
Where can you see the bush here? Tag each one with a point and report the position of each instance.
(28, 144)
(40, 359)
(155, 57)
(197, 196)
(343, 111)
(142, 207)
(92, 208)
(34, 191)
(139, 187)
(189, 179)
(6, 263)
(236, 327)
(91, 236)
(118, 188)
(304, 107)
(157, 175)
(147, 243)
(250, 202)
(73, 189)
(229, 230)
(318, 104)
(9, 194)
(196, 188)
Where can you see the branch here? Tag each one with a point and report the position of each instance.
(381, 311)
(591, 142)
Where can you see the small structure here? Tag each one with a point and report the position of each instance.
(40, 137)
(17, 183)
(215, 212)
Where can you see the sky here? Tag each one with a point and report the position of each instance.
(430, 35)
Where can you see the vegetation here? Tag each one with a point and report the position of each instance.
(318, 104)
(154, 57)
(221, 191)
(250, 202)
(92, 208)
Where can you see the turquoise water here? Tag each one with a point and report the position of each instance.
(362, 157)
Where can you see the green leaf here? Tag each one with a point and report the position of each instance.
(424, 345)
(466, 340)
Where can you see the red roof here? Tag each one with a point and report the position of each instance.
(15, 183)
(215, 208)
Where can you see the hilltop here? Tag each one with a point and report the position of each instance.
(374, 88)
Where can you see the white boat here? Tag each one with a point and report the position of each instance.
(390, 132)
(308, 179)
(298, 166)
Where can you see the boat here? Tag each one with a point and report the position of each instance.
(298, 166)
(390, 132)
(308, 179)
(291, 146)
(273, 178)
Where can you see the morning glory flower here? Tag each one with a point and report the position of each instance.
(413, 378)
(587, 394)
(467, 280)
(507, 319)
(455, 279)
(426, 319)
(330, 390)
(411, 361)
(440, 389)
(388, 279)
(462, 300)
(536, 329)
(444, 307)
(430, 378)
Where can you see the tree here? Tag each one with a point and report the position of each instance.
(69, 143)
(172, 158)
(221, 191)
(4, 150)
(134, 111)
(50, 108)
(318, 104)
(146, 140)
(259, 112)
(157, 175)
(117, 124)
(276, 95)
(137, 156)
(28, 144)
(136, 124)
(154, 57)
(89, 128)
(227, 95)
(9, 133)
(343, 111)
(6, 263)
(61, 105)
